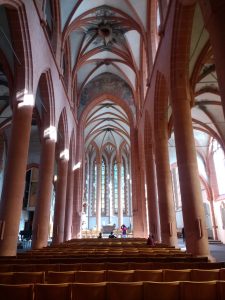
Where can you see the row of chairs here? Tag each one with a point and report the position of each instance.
(38, 267)
(106, 251)
(177, 290)
(101, 259)
(112, 276)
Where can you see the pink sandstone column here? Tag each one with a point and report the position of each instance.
(137, 201)
(45, 185)
(76, 217)
(151, 194)
(98, 196)
(165, 193)
(69, 203)
(60, 202)
(14, 180)
(192, 205)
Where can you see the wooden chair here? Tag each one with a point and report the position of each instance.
(120, 276)
(122, 266)
(46, 267)
(24, 267)
(148, 275)
(93, 266)
(142, 265)
(161, 290)
(70, 267)
(28, 277)
(222, 274)
(125, 290)
(221, 289)
(89, 291)
(16, 292)
(90, 276)
(6, 278)
(207, 290)
(177, 275)
(60, 277)
(52, 291)
(205, 275)
(6, 267)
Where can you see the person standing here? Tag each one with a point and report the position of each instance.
(124, 230)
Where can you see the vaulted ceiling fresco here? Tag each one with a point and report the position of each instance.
(106, 40)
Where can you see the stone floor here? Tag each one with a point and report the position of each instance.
(217, 250)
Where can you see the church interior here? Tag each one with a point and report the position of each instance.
(112, 123)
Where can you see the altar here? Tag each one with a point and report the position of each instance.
(108, 228)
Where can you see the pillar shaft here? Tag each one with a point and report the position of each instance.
(45, 184)
(192, 204)
(60, 202)
(98, 197)
(69, 203)
(165, 194)
(137, 204)
(76, 218)
(14, 180)
(151, 194)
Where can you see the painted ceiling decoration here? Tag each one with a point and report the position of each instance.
(106, 40)
(106, 83)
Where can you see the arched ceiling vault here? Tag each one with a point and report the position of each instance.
(106, 41)
(207, 112)
(107, 127)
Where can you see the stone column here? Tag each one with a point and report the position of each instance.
(165, 193)
(137, 203)
(60, 202)
(120, 202)
(99, 196)
(69, 203)
(153, 214)
(192, 204)
(14, 179)
(45, 184)
(76, 219)
(214, 12)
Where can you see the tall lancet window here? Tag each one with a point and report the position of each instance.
(123, 187)
(103, 181)
(115, 188)
(94, 190)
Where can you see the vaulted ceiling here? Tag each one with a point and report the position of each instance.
(106, 40)
(207, 112)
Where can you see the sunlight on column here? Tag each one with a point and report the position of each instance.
(77, 166)
(64, 154)
(25, 99)
(50, 133)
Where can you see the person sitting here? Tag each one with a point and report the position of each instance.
(112, 236)
(150, 240)
(100, 235)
